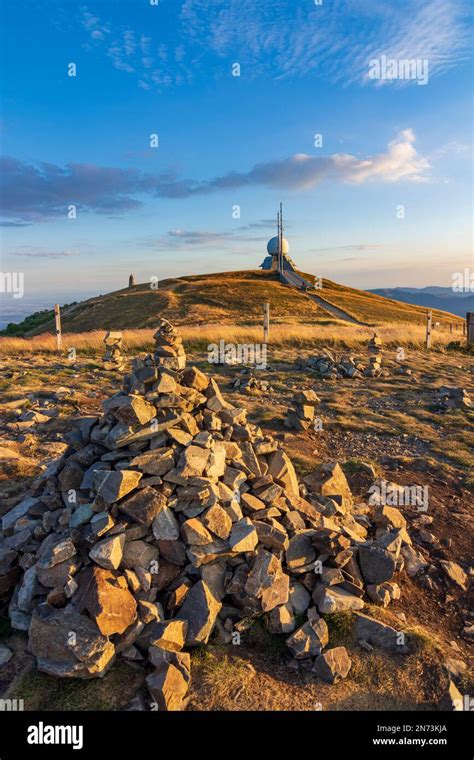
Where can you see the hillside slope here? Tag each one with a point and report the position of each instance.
(231, 298)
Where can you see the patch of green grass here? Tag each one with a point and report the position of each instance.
(271, 644)
(341, 628)
(422, 640)
(304, 465)
(42, 692)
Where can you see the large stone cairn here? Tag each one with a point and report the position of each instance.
(171, 519)
(301, 415)
(113, 359)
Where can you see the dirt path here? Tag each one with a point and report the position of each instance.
(335, 311)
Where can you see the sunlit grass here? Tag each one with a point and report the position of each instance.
(337, 335)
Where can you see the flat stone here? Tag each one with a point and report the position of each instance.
(70, 477)
(217, 520)
(329, 480)
(281, 619)
(299, 598)
(250, 503)
(27, 589)
(267, 582)
(81, 516)
(139, 554)
(194, 378)
(379, 634)
(115, 484)
(333, 665)
(20, 510)
(376, 563)
(165, 525)
(108, 553)
(156, 462)
(335, 599)
(144, 505)
(414, 561)
(270, 536)
(67, 644)
(455, 573)
(106, 600)
(243, 536)
(168, 687)
(57, 576)
(167, 634)
(200, 610)
(300, 551)
(131, 410)
(309, 640)
(58, 552)
(193, 461)
(194, 532)
(392, 518)
(282, 471)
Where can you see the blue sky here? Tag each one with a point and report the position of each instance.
(227, 141)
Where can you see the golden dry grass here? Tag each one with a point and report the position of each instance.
(304, 336)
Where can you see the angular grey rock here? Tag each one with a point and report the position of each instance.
(200, 610)
(380, 635)
(331, 599)
(309, 640)
(333, 665)
(67, 644)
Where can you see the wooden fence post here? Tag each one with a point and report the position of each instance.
(429, 327)
(470, 328)
(57, 320)
(266, 322)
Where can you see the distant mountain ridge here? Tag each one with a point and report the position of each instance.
(432, 297)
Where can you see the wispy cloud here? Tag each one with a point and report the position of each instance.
(92, 24)
(336, 40)
(35, 192)
(282, 39)
(178, 239)
(38, 253)
(352, 247)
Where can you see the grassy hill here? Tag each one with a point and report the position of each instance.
(231, 298)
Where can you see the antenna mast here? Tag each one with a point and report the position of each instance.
(280, 246)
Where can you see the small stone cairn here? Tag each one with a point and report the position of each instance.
(113, 359)
(375, 343)
(251, 385)
(169, 351)
(449, 398)
(328, 366)
(301, 416)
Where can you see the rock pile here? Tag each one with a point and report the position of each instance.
(171, 518)
(448, 398)
(251, 385)
(330, 367)
(301, 415)
(113, 359)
